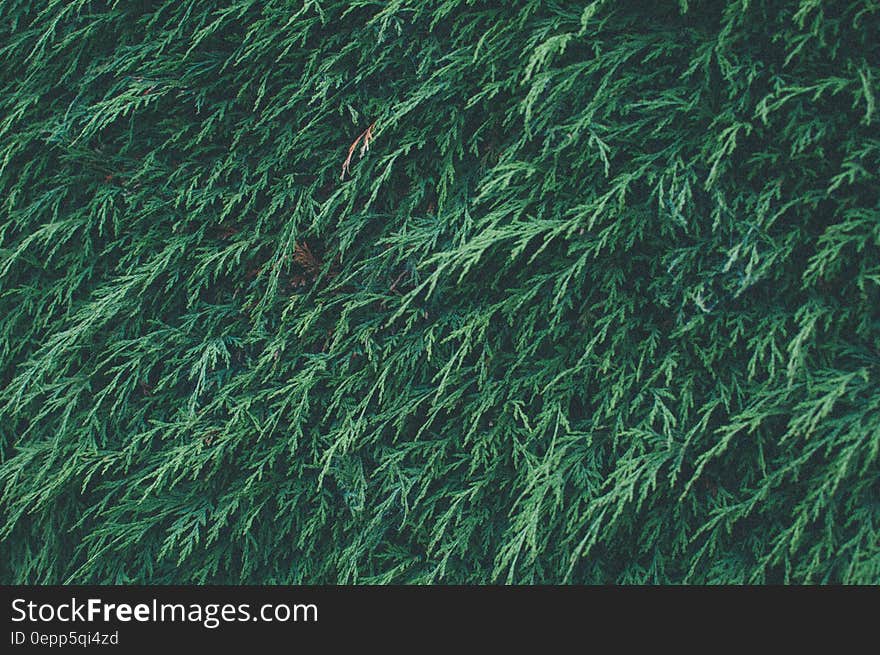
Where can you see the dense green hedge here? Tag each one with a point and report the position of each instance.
(439, 291)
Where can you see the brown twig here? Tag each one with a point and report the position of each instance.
(364, 138)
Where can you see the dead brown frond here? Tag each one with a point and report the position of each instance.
(364, 138)
(304, 256)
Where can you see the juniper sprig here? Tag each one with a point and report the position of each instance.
(440, 291)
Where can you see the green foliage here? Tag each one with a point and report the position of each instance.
(596, 299)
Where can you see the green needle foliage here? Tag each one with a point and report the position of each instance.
(430, 291)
